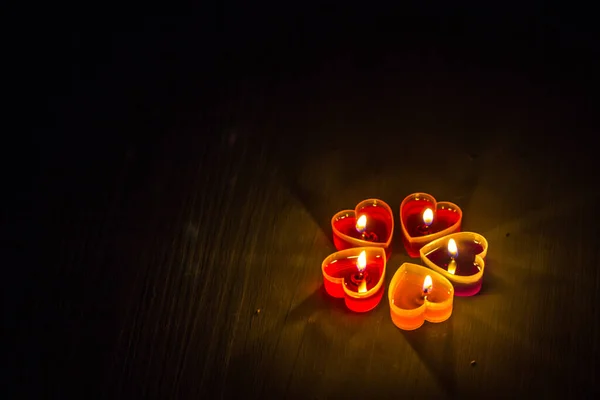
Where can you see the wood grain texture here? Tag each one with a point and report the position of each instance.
(180, 241)
(245, 228)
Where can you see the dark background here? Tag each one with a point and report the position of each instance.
(172, 171)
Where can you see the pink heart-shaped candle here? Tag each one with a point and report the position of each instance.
(370, 224)
(423, 219)
(357, 275)
(460, 257)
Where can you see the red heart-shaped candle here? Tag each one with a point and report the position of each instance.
(370, 224)
(459, 257)
(423, 219)
(357, 275)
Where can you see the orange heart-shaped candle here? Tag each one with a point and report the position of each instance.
(418, 294)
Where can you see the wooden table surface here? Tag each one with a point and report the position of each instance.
(181, 214)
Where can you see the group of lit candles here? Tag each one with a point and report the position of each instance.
(454, 260)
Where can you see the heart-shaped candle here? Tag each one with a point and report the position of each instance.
(357, 275)
(418, 294)
(460, 258)
(423, 219)
(370, 224)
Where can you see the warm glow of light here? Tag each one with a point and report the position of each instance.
(361, 264)
(452, 249)
(452, 267)
(362, 288)
(427, 285)
(428, 216)
(361, 223)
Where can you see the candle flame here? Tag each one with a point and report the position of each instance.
(427, 285)
(361, 224)
(452, 249)
(361, 264)
(428, 216)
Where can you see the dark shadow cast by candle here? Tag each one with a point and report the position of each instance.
(317, 301)
(315, 206)
(273, 356)
(397, 239)
(292, 164)
(434, 344)
(468, 172)
(492, 282)
(320, 179)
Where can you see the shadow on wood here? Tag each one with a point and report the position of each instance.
(313, 205)
(318, 300)
(492, 282)
(275, 356)
(434, 344)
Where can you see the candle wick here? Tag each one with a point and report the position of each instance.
(369, 236)
(360, 278)
(425, 293)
